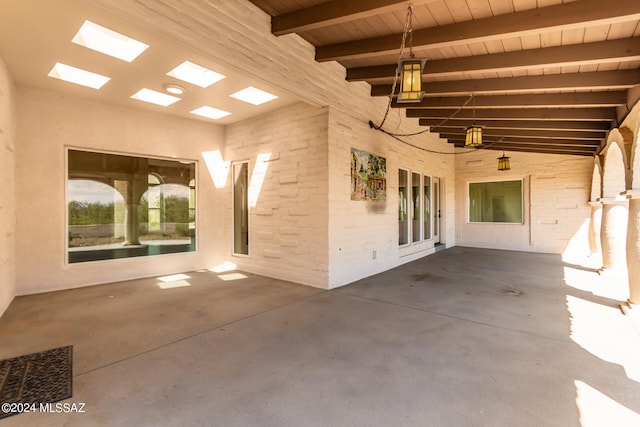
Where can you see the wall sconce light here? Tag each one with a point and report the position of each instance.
(410, 70)
(503, 163)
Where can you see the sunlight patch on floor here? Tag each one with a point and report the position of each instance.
(599, 327)
(173, 281)
(607, 334)
(597, 409)
(224, 267)
(232, 276)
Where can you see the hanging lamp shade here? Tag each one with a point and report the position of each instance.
(474, 136)
(410, 71)
(503, 163)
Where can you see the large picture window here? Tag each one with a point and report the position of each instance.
(499, 201)
(125, 206)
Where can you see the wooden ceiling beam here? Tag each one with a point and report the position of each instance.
(528, 133)
(332, 13)
(619, 50)
(604, 114)
(535, 149)
(581, 99)
(610, 80)
(527, 141)
(561, 17)
(568, 125)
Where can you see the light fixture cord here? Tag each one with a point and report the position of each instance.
(474, 109)
(406, 30)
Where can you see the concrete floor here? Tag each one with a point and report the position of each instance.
(465, 337)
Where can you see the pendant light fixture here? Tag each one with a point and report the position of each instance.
(503, 163)
(410, 70)
(474, 133)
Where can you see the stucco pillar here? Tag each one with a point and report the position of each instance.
(594, 228)
(131, 225)
(137, 186)
(633, 246)
(613, 233)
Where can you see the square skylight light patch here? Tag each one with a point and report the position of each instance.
(159, 98)
(109, 42)
(253, 96)
(78, 76)
(195, 74)
(210, 112)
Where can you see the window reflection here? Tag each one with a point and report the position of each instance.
(499, 201)
(124, 206)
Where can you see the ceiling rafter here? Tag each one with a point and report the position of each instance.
(580, 99)
(536, 149)
(529, 133)
(574, 144)
(332, 13)
(553, 125)
(597, 114)
(619, 50)
(611, 80)
(546, 19)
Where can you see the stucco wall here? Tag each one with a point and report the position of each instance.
(7, 189)
(358, 228)
(288, 201)
(47, 123)
(556, 191)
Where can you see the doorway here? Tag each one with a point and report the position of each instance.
(436, 210)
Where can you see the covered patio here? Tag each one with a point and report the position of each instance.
(466, 336)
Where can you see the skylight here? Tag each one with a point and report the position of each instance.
(159, 98)
(109, 42)
(78, 76)
(253, 96)
(210, 112)
(195, 74)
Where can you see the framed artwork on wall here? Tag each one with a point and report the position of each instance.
(368, 176)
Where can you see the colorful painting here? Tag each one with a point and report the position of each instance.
(368, 176)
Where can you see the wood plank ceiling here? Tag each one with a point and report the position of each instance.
(546, 76)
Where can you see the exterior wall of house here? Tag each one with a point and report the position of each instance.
(288, 193)
(304, 227)
(7, 189)
(357, 229)
(47, 123)
(556, 191)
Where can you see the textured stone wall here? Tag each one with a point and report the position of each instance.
(288, 193)
(357, 229)
(556, 191)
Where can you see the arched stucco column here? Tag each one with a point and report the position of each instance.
(633, 246)
(613, 233)
(595, 226)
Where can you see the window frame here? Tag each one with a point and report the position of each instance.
(410, 208)
(233, 208)
(407, 227)
(420, 209)
(522, 201)
(66, 229)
